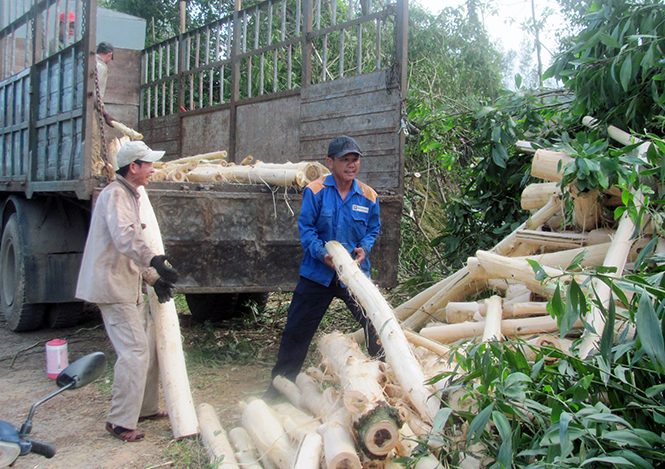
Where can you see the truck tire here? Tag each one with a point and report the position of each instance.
(247, 301)
(212, 307)
(19, 315)
(60, 315)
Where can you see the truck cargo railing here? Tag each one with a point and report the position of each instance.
(276, 46)
(42, 95)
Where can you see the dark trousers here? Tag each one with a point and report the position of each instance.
(308, 306)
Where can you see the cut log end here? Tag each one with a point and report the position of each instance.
(381, 438)
(378, 431)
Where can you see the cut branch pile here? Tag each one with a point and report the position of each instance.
(360, 412)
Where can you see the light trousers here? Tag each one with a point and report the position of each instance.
(136, 372)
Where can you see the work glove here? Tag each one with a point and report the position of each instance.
(109, 120)
(164, 269)
(164, 289)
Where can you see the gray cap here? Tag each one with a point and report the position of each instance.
(105, 48)
(137, 150)
(342, 146)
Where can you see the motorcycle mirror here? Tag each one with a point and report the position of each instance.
(83, 371)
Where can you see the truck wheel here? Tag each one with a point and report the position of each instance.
(60, 315)
(212, 307)
(19, 315)
(247, 301)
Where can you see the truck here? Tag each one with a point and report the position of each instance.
(276, 80)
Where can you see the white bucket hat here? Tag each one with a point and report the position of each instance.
(137, 150)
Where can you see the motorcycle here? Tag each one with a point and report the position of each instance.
(15, 443)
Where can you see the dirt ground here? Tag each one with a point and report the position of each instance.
(74, 420)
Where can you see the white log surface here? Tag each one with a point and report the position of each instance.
(172, 367)
(215, 438)
(398, 353)
(245, 449)
(268, 434)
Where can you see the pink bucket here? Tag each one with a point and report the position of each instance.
(56, 357)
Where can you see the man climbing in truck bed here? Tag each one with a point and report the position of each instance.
(335, 207)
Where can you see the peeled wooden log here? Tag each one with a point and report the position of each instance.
(431, 345)
(492, 330)
(587, 209)
(537, 195)
(593, 255)
(449, 333)
(288, 388)
(172, 367)
(248, 160)
(215, 438)
(158, 176)
(338, 445)
(462, 311)
(361, 379)
(245, 449)
(546, 164)
(510, 246)
(531, 308)
(553, 239)
(398, 353)
(264, 173)
(309, 452)
(176, 175)
(616, 256)
(376, 422)
(465, 285)
(131, 133)
(296, 422)
(268, 434)
(495, 266)
(215, 155)
(546, 341)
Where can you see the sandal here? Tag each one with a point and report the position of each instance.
(124, 434)
(162, 414)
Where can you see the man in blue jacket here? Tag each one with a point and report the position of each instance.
(335, 207)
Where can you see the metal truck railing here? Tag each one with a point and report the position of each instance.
(272, 47)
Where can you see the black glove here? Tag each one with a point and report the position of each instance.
(164, 269)
(164, 289)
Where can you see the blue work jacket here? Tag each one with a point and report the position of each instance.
(324, 216)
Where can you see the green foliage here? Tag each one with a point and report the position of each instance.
(614, 66)
(488, 206)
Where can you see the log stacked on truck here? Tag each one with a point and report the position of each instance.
(213, 168)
